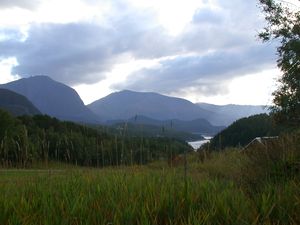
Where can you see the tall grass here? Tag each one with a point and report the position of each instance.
(232, 187)
(141, 197)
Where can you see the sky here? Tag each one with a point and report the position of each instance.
(201, 50)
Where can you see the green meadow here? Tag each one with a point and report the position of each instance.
(254, 186)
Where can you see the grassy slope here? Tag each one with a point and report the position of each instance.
(230, 187)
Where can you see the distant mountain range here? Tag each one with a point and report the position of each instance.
(225, 115)
(16, 104)
(152, 109)
(53, 98)
(127, 104)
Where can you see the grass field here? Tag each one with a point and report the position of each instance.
(143, 195)
(261, 186)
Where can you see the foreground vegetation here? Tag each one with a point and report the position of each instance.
(256, 186)
(27, 140)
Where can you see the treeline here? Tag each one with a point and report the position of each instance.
(25, 140)
(241, 132)
(146, 130)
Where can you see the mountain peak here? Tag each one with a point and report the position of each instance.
(41, 80)
(44, 77)
(136, 92)
(126, 104)
(52, 98)
(37, 78)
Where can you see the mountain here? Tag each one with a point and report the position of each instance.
(197, 126)
(126, 104)
(53, 98)
(225, 115)
(58, 100)
(16, 104)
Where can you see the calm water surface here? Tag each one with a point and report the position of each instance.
(197, 144)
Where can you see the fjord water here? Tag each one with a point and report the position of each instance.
(199, 143)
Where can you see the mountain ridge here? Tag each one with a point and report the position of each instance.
(227, 114)
(52, 98)
(59, 100)
(16, 104)
(149, 104)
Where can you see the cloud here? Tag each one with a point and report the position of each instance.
(84, 52)
(216, 46)
(222, 26)
(27, 4)
(71, 53)
(207, 74)
(207, 15)
(7, 34)
(80, 52)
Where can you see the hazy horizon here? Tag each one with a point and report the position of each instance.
(128, 90)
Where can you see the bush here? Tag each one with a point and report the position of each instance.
(275, 161)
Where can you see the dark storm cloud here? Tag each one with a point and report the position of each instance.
(27, 4)
(70, 53)
(204, 74)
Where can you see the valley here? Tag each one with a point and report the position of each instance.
(138, 112)
(63, 162)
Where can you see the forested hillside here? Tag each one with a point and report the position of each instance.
(146, 130)
(185, 130)
(244, 130)
(26, 140)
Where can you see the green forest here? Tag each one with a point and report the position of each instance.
(244, 130)
(26, 140)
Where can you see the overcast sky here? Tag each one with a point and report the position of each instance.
(202, 50)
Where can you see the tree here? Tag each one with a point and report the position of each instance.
(283, 20)
(7, 124)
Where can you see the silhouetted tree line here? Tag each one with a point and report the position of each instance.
(25, 140)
